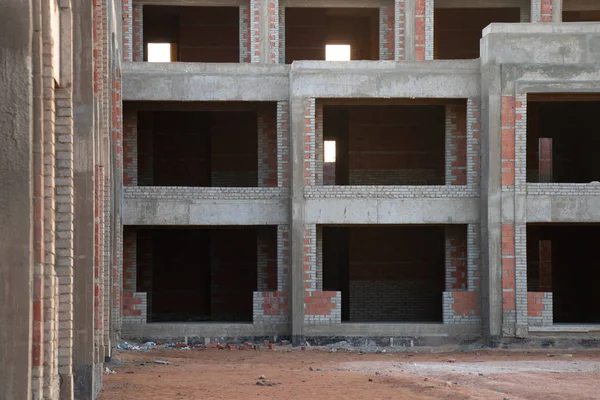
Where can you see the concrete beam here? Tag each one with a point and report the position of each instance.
(385, 79)
(201, 330)
(563, 209)
(393, 211)
(393, 330)
(205, 206)
(16, 212)
(204, 82)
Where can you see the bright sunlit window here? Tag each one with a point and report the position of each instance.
(337, 52)
(159, 52)
(329, 151)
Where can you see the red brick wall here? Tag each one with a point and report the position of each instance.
(308, 30)
(466, 304)
(396, 145)
(508, 141)
(420, 30)
(508, 267)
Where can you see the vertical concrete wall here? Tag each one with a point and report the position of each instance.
(16, 213)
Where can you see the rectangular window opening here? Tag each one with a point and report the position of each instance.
(560, 145)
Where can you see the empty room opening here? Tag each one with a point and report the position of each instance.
(385, 274)
(388, 142)
(309, 31)
(208, 145)
(562, 138)
(580, 11)
(561, 259)
(195, 34)
(457, 31)
(204, 274)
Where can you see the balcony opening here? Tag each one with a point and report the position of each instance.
(196, 34)
(206, 274)
(562, 139)
(404, 142)
(457, 31)
(205, 145)
(337, 52)
(336, 34)
(560, 261)
(581, 11)
(380, 282)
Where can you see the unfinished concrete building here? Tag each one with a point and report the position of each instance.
(412, 172)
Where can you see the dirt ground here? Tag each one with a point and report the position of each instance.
(320, 374)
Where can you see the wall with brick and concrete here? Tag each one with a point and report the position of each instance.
(539, 308)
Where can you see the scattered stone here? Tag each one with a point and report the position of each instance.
(161, 362)
(319, 369)
(262, 377)
(426, 379)
(480, 374)
(130, 372)
(285, 342)
(311, 369)
(451, 360)
(370, 379)
(377, 373)
(221, 346)
(448, 383)
(232, 347)
(109, 371)
(560, 355)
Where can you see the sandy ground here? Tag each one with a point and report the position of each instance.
(320, 374)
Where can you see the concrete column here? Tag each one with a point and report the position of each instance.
(84, 369)
(301, 110)
(491, 197)
(557, 7)
(16, 213)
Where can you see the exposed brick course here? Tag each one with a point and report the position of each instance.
(386, 33)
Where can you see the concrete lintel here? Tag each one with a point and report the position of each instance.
(393, 211)
(563, 208)
(201, 330)
(535, 29)
(204, 212)
(385, 79)
(205, 82)
(392, 329)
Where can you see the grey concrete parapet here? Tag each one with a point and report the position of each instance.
(183, 81)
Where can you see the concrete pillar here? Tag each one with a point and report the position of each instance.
(545, 265)
(86, 374)
(545, 160)
(16, 213)
(302, 174)
(491, 197)
(264, 31)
